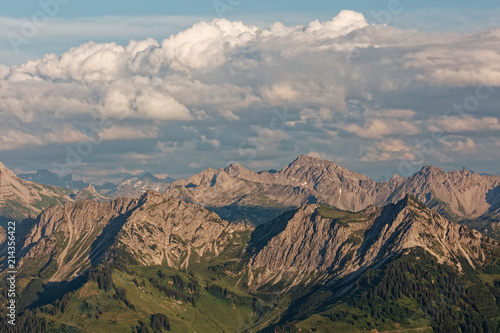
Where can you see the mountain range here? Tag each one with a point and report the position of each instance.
(237, 193)
(333, 251)
(20, 198)
(130, 186)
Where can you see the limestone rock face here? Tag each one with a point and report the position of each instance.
(3, 235)
(458, 194)
(135, 186)
(169, 230)
(90, 193)
(319, 242)
(20, 198)
(154, 229)
(314, 243)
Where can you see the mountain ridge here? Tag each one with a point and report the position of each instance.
(460, 195)
(118, 255)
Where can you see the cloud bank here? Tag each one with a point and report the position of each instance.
(221, 91)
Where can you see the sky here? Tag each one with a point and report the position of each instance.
(101, 89)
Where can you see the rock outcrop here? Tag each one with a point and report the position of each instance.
(154, 229)
(20, 198)
(234, 191)
(90, 193)
(319, 242)
(135, 186)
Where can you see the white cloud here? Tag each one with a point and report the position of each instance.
(454, 124)
(388, 150)
(214, 87)
(463, 147)
(379, 128)
(128, 132)
(16, 139)
(156, 105)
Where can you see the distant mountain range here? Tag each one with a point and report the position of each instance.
(135, 186)
(46, 177)
(131, 186)
(333, 251)
(236, 193)
(239, 194)
(20, 198)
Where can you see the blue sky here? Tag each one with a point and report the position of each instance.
(183, 87)
(78, 8)
(411, 14)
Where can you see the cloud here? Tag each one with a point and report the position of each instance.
(156, 105)
(15, 139)
(463, 147)
(224, 90)
(379, 128)
(454, 124)
(127, 132)
(388, 150)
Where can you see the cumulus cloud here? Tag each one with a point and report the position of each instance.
(463, 147)
(15, 139)
(465, 124)
(336, 88)
(388, 150)
(378, 128)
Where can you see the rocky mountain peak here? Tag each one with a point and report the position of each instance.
(395, 177)
(149, 177)
(316, 239)
(234, 169)
(4, 171)
(154, 229)
(90, 193)
(430, 170)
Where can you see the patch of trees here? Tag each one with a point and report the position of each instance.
(158, 323)
(60, 305)
(121, 295)
(287, 327)
(103, 275)
(90, 310)
(27, 321)
(218, 291)
(182, 295)
(452, 302)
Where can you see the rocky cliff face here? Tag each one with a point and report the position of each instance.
(135, 186)
(151, 230)
(312, 244)
(458, 194)
(20, 198)
(3, 235)
(90, 193)
(316, 242)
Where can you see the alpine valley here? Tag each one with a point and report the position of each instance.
(313, 247)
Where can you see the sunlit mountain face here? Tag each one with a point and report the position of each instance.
(234, 166)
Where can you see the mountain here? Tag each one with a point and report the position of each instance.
(89, 193)
(3, 235)
(153, 230)
(135, 186)
(322, 241)
(236, 193)
(157, 262)
(132, 186)
(20, 198)
(46, 177)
